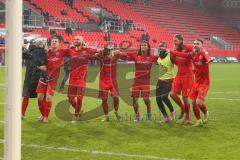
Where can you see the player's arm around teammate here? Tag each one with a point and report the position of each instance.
(201, 61)
(141, 83)
(108, 80)
(164, 84)
(184, 79)
(80, 56)
(55, 58)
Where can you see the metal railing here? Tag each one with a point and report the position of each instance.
(109, 25)
(220, 42)
(120, 26)
(36, 21)
(33, 21)
(59, 23)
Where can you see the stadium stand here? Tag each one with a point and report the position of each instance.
(162, 19)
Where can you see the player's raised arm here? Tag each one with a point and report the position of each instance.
(96, 56)
(207, 58)
(181, 54)
(120, 55)
(131, 55)
(67, 52)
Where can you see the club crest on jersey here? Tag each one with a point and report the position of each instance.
(198, 63)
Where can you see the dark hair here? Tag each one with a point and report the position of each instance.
(148, 51)
(55, 37)
(180, 37)
(162, 43)
(199, 40)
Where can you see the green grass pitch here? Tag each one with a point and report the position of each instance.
(219, 139)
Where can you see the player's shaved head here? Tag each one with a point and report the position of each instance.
(79, 38)
(78, 41)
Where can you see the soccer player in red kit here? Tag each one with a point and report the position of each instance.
(184, 79)
(108, 80)
(201, 61)
(201, 84)
(141, 84)
(78, 71)
(55, 58)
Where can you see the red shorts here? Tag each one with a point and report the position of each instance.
(182, 85)
(143, 89)
(45, 88)
(77, 82)
(105, 87)
(76, 91)
(199, 91)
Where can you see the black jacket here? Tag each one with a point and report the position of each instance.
(32, 74)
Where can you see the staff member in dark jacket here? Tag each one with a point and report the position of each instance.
(32, 74)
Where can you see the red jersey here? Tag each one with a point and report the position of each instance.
(143, 65)
(201, 67)
(55, 60)
(78, 65)
(109, 67)
(184, 64)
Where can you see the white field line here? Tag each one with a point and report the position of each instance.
(227, 92)
(95, 152)
(228, 99)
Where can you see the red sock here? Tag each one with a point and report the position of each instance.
(71, 101)
(41, 106)
(116, 104)
(136, 108)
(105, 106)
(179, 103)
(204, 109)
(47, 108)
(149, 109)
(78, 105)
(196, 111)
(24, 105)
(187, 111)
(187, 108)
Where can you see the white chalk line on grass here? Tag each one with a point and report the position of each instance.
(95, 152)
(228, 99)
(227, 92)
